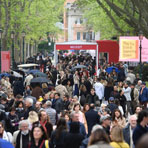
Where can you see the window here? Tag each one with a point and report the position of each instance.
(84, 35)
(78, 36)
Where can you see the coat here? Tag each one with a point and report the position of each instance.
(91, 99)
(92, 119)
(144, 96)
(73, 140)
(138, 133)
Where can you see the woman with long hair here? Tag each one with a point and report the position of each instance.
(99, 139)
(38, 137)
(117, 138)
(57, 136)
(118, 119)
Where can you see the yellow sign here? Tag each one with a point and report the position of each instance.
(128, 49)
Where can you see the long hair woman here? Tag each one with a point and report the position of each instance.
(99, 139)
(57, 136)
(38, 137)
(117, 138)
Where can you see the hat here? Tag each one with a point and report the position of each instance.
(143, 83)
(104, 118)
(111, 99)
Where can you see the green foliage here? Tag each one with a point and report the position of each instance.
(144, 71)
(35, 17)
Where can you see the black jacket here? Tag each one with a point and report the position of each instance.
(92, 119)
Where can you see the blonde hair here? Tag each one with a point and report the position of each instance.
(117, 134)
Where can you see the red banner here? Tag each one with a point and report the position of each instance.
(76, 47)
(5, 60)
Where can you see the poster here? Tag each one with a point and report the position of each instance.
(5, 60)
(130, 51)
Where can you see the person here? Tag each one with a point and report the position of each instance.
(38, 137)
(92, 97)
(117, 138)
(127, 94)
(82, 119)
(66, 102)
(58, 135)
(134, 97)
(99, 139)
(86, 108)
(75, 118)
(138, 109)
(37, 92)
(58, 104)
(73, 139)
(141, 127)
(128, 130)
(61, 89)
(106, 123)
(51, 112)
(143, 142)
(92, 118)
(112, 106)
(21, 137)
(99, 89)
(29, 107)
(45, 122)
(5, 135)
(118, 119)
(143, 95)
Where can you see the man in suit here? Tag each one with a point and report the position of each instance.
(92, 118)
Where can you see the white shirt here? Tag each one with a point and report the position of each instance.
(99, 88)
(127, 93)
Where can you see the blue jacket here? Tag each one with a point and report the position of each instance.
(144, 96)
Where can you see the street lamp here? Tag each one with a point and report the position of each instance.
(140, 47)
(12, 37)
(1, 32)
(23, 36)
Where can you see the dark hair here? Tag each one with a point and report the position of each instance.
(12, 109)
(98, 135)
(141, 115)
(143, 142)
(113, 116)
(44, 136)
(57, 94)
(18, 96)
(77, 104)
(74, 127)
(61, 126)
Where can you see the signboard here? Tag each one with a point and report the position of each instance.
(76, 47)
(5, 60)
(129, 49)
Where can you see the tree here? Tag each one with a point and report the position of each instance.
(125, 15)
(35, 17)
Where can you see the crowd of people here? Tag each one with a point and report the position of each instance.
(78, 107)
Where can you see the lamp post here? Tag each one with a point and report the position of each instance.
(12, 37)
(48, 37)
(1, 32)
(23, 36)
(140, 47)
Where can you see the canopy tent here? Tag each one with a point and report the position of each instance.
(75, 45)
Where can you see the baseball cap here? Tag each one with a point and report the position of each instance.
(111, 99)
(104, 118)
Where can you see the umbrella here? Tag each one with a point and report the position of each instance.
(33, 71)
(4, 74)
(80, 66)
(16, 74)
(110, 69)
(40, 74)
(40, 80)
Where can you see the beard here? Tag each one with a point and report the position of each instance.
(25, 132)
